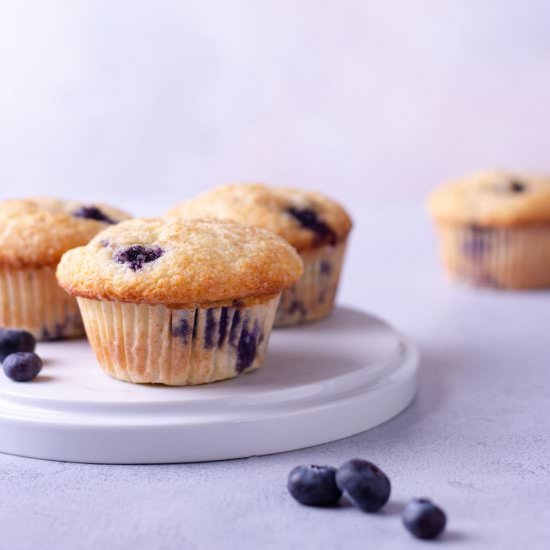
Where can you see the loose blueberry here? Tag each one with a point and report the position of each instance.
(137, 255)
(93, 213)
(364, 484)
(22, 366)
(423, 519)
(314, 485)
(12, 341)
(308, 219)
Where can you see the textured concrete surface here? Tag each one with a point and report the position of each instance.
(475, 440)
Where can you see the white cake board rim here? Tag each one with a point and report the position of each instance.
(253, 415)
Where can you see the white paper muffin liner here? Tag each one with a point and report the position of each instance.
(155, 344)
(31, 299)
(313, 296)
(510, 257)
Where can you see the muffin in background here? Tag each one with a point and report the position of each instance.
(316, 226)
(34, 234)
(494, 229)
(168, 301)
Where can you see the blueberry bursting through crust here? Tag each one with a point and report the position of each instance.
(93, 213)
(308, 219)
(136, 255)
(516, 186)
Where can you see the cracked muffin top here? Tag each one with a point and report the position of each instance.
(493, 198)
(305, 219)
(35, 232)
(176, 262)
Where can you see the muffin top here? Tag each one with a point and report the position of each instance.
(305, 219)
(36, 232)
(493, 198)
(176, 262)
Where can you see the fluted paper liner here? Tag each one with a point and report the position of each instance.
(159, 345)
(31, 299)
(313, 296)
(507, 257)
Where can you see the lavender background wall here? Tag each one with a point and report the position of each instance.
(144, 103)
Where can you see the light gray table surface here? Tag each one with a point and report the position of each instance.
(476, 439)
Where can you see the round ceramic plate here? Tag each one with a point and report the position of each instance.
(321, 382)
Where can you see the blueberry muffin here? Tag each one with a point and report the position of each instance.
(494, 229)
(34, 234)
(314, 225)
(168, 301)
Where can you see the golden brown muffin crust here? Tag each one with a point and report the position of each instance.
(305, 219)
(493, 198)
(36, 232)
(176, 262)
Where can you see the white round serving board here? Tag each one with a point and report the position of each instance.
(320, 382)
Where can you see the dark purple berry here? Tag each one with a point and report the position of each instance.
(326, 268)
(210, 329)
(477, 242)
(22, 366)
(511, 186)
(423, 519)
(12, 341)
(246, 348)
(314, 485)
(307, 217)
(364, 484)
(137, 255)
(234, 330)
(93, 213)
(517, 186)
(182, 330)
(224, 325)
(296, 307)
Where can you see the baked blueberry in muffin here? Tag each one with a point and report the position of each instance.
(494, 229)
(316, 226)
(34, 234)
(176, 302)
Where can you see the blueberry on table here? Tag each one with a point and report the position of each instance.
(22, 366)
(423, 519)
(12, 340)
(364, 484)
(314, 485)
